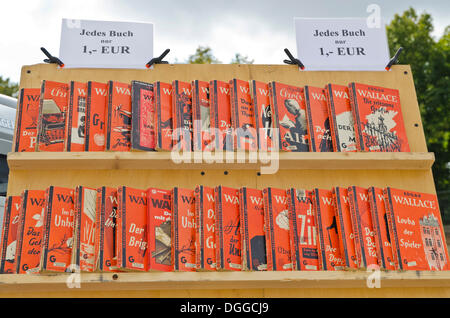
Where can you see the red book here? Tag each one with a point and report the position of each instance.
(26, 120)
(57, 239)
(118, 126)
(76, 117)
(132, 229)
(277, 230)
(378, 118)
(252, 230)
(143, 116)
(163, 116)
(381, 228)
(289, 116)
(418, 235)
(205, 236)
(52, 116)
(263, 114)
(96, 116)
(328, 244)
(227, 229)
(302, 233)
(159, 207)
(345, 227)
(201, 116)
(182, 115)
(105, 255)
(220, 115)
(183, 230)
(365, 245)
(28, 251)
(9, 236)
(341, 118)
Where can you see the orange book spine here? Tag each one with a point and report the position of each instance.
(263, 119)
(96, 106)
(163, 116)
(201, 116)
(118, 126)
(75, 129)
(220, 115)
(11, 218)
(25, 132)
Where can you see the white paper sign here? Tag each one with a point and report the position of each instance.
(105, 44)
(341, 44)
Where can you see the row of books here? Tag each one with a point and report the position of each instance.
(207, 116)
(221, 228)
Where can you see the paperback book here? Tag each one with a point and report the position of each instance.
(75, 130)
(9, 234)
(182, 115)
(201, 116)
(220, 115)
(143, 116)
(25, 133)
(96, 108)
(263, 115)
(118, 126)
(163, 116)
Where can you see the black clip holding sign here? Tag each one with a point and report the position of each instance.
(292, 60)
(51, 58)
(394, 59)
(158, 60)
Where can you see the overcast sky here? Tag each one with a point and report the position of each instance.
(258, 29)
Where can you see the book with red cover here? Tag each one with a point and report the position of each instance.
(105, 255)
(227, 229)
(159, 207)
(242, 116)
(330, 257)
(28, 251)
(201, 116)
(75, 129)
(341, 118)
(25, 133)
(132, 229)
(183, 230)
(302, 230)
(220, 115)
(262, 114)
(163, 116)
(378, 118)
(381, 228)
(143, 116)
(289, 116)
(205, 235)
(9, 234)
(276, 221)
(252, 229)
(96, 108)
(52, 116)
(418, 235)
(345, 227)
(57, 237)
(182, 115)
(118, 125)
(365, 245)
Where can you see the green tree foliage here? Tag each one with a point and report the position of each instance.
(203, 55)
(8, 88)
(240, 59)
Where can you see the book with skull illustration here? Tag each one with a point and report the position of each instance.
(418, 236)
(118, 125)
(105, 248)
(302, 230)
(25, 132)
(183, 230)
(345, 227)
(132, 235)
(242, 116)
(143, 117)
(52, 116)
(378, 118)
(159, 209)
(252, 230)
(9, 235)
(289, 116)
(227, 229)
(31, 226)
(75, 130)
(205, 235)
(83, 251)
(381, 228)
(330, 257)
(220, 115)
(276, 220)
(365, 246)
(263, 114)
(201, 116)
(341, 118)
(163, 116)
(182, 115)
(57, 237)
(96, 108)
(319, 132)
